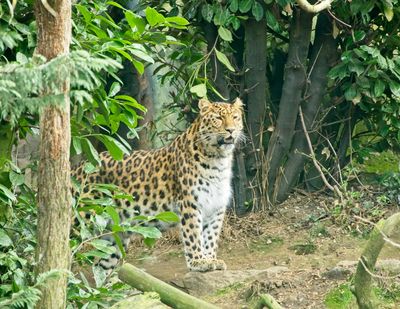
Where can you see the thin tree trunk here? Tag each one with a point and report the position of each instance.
(295, 79)
(54, 201)
(323, 56)
(257, 95)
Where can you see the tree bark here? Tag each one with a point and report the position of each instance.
(54, 201)
(168, 294)
(257, 96)
(323, 55)
(295, 79)
(362, 278)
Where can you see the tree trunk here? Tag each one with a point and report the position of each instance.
(324, 54)
(295, 79)
(54, 201)
(362, 278)
(257, 96)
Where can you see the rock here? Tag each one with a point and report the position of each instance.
(337, 273)
(207, 283)
(148, 300)
(345, 268)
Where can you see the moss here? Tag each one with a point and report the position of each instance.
(381, 163)
(230, 288)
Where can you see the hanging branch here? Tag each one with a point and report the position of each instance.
(314, 8)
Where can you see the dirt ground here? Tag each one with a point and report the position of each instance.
(298, 236)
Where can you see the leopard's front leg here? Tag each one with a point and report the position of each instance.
(211, 232)
(191, 231)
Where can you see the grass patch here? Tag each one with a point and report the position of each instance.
(304, 249)
(265, 243)
(340, 298)
(319, 230)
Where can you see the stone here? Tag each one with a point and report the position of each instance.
(199, 284)
(337, 273)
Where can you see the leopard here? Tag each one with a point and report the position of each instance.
(191, 177)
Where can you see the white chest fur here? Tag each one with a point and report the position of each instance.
(214, 193)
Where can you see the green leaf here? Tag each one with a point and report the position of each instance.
(142, 55)
(114, 89)
(225, 34)
(379, 88)
(207, 11)
(113, 3)
(76, 144)
(167, 216)
(135, 21)
(395, 88)
(103, 245)
(7, 193)
(271, 20)
(258, 11)
(16, 178)
(245, 5)
(177, 20)
(90, 152)
(234, 6)
(5, 240)
(85, 13)
(115, 148)
(113, 214)
(153, 17)
(224, 60)
(131, 102)
(200, 90)
(138, 65)
(221, 16)
(388, 13)
(146, 231)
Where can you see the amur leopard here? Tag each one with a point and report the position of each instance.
(191, 177)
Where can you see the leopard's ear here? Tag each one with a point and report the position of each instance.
(238, 103)
(204, 104)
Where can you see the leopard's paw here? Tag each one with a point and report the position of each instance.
(203, 265)
(219, 264)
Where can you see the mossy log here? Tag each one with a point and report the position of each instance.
(266, 300)
(363, 279)
(169, 295)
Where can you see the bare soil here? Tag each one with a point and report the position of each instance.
(298, 235)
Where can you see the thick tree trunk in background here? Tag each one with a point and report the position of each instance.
(54, 201)
(323, 56)
(217, 69)
(257, 96)
(295, 79)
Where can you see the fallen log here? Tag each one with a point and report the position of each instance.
(169, 295)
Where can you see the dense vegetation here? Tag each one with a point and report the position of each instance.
(321, 94)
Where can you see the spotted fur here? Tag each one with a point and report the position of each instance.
(191, 176)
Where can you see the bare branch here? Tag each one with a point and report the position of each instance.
(314, 8)
(329, 186)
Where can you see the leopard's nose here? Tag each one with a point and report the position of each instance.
(230, 130)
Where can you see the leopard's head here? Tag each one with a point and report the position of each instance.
(221, 124)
